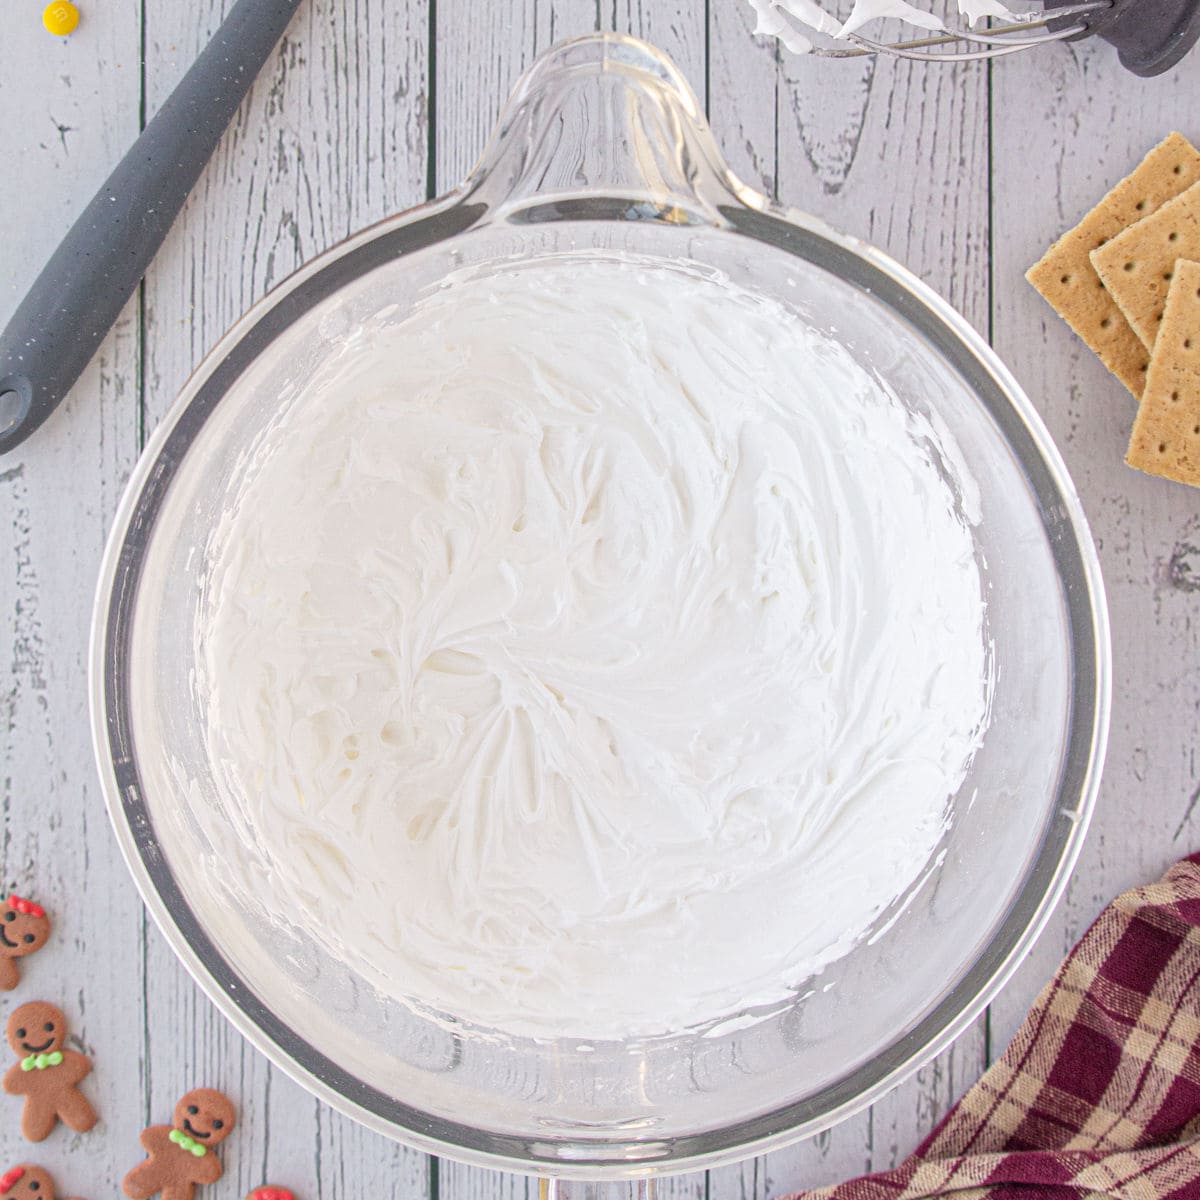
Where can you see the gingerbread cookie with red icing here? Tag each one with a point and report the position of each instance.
(180, 1156)
(26, 1182)
(24, 928)
(47, 1074)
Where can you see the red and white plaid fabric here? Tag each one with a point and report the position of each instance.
(1099, 1093)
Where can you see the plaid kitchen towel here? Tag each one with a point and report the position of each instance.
(1099, 1093)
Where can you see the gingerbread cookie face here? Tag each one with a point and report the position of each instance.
(24, 928)
(36, 1028)
(205, 1115)
(26, 1183)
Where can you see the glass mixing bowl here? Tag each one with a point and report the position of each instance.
(603, 148)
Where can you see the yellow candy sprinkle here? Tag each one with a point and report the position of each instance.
(60, 17)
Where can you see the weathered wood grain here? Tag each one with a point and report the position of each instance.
(69, 108)
(332, 137)
(1066, 125)
(745, 79)
(482, 50)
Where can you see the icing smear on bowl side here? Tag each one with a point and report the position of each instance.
(602, 638)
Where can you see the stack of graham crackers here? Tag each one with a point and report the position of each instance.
(1127, 280)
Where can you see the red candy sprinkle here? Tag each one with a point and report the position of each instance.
(30, 910)
(10, 1177)
(270, 1193)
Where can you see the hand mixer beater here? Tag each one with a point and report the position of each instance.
(1150, 36)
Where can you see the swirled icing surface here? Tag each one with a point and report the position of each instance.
(603, 639)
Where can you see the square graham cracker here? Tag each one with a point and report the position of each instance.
(1136, 265)
(1068, 281)
(1166, 432)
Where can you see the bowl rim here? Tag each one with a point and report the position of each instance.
(750, 215)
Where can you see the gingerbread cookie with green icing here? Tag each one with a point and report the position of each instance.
(26, 1182)
(46, 1073)
(180, 1156)
(24, 928)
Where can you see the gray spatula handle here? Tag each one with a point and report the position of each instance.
(82, 289)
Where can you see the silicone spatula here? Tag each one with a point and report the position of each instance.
(82, 289)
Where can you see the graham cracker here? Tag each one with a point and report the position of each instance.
(1136, 265)
(1065, 275)
(1166, 432)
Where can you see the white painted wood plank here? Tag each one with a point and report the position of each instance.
(480, 51)
(66, 119)
(331, 138)
(1069, 122)
(482, 48)
(745, 85)
(824, 136)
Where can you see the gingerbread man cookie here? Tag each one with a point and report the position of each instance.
(181, 1155)
(26, 1182)
(47, 1075)
(270, 1192)
(24, 928)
